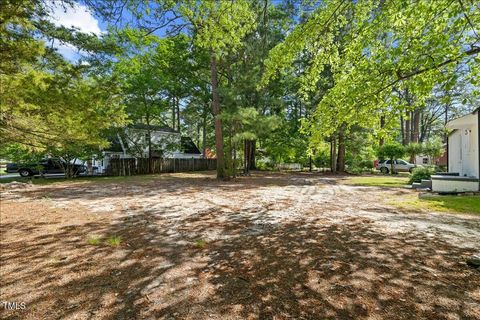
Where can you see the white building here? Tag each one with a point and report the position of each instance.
(133, 143)
(463, 156)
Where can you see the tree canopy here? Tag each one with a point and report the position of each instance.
(317, 83)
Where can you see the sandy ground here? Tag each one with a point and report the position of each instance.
(270, 246)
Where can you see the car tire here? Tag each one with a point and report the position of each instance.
(384, 170)
(25, 173)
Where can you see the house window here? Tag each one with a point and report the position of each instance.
(425, 160)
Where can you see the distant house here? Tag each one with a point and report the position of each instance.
(463, 156)
(440, 161)
(133, 143)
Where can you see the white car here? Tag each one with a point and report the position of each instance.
(398, 165)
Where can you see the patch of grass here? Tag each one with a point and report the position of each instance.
(434, 203)
(94, 240)
(378, 181)
(114, 241)
(200, 243)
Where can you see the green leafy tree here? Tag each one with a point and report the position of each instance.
(412, 150)
(47, 104)
(391, 151)
(375, 49)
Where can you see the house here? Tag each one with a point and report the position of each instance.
(133, 142)
(423, 159)
(463, 156)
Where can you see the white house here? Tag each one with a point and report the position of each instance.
(463, 156)
(133, 143)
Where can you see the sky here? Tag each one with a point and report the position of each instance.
(82, 18)
(79, 17)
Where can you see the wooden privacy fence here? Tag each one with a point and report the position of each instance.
(133, 166)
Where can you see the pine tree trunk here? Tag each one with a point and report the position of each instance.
(218, 121)
(412, 120)
(178, 114)
(173, 113)
(402, 130)
(251, 154)
(246, 153)
(416, 125)
(149, 137)
(341, 149)
(382, 125)
(197, 140)
(234, 165)
(204, 133)
(407, 131)
(333, 152)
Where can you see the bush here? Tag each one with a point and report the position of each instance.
(356, 170)
(366, 164)
(420, 173)
(265, 164)
(442, 168)
(360, 166)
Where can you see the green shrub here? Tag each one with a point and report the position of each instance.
(265, 164)
(321, 160)
(442, 168)
(355, 170)
(361, 166)
(420, 173)
(368, 164)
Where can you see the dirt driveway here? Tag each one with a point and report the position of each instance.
(270, 246)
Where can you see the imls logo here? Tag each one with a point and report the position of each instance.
(14, 305)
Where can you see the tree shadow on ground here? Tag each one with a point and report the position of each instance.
(218, 265)
(182, 185)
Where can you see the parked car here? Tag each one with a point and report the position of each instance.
(398, 165)
(45, 166)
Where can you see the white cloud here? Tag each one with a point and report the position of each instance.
(78, 16)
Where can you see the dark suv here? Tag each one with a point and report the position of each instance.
(45, 166)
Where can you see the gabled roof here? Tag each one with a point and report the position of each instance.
(466, 120)
(188, 146)
(115, 145)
